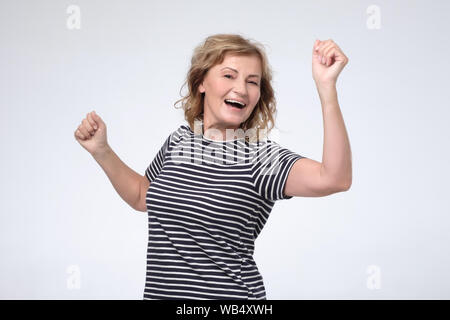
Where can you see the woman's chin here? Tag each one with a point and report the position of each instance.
(232, 120)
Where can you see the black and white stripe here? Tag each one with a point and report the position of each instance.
(207, 203)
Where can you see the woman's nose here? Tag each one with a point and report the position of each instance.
(241, 88)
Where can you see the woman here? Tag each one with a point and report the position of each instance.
(211, 187)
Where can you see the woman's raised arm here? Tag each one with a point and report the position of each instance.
(91, 134)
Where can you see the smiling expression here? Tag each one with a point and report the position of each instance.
(237, 78)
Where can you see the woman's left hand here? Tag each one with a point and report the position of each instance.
(327, 63)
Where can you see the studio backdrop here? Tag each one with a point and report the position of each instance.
(66, 234)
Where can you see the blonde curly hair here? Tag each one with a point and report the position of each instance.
(211, 52)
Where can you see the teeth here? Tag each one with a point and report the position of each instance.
(242, 104)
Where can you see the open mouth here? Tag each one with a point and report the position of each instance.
(234, 104)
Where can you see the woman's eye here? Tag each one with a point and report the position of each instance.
(228, 75)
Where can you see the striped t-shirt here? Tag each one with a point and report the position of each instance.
(207, 203)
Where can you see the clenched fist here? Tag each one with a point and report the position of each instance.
(91, 134)
(328, 62)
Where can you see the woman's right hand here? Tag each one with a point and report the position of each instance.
(91, 134)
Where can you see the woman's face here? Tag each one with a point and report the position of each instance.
(238, 77)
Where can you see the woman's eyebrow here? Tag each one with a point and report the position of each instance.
(251, 75)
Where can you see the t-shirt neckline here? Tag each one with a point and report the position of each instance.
(212, 140)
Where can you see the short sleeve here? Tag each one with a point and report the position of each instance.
(156, 165)
(271, 168)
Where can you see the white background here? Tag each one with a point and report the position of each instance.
(128, 62)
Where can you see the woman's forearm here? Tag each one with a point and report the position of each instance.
(337, 158)
(124, 180)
